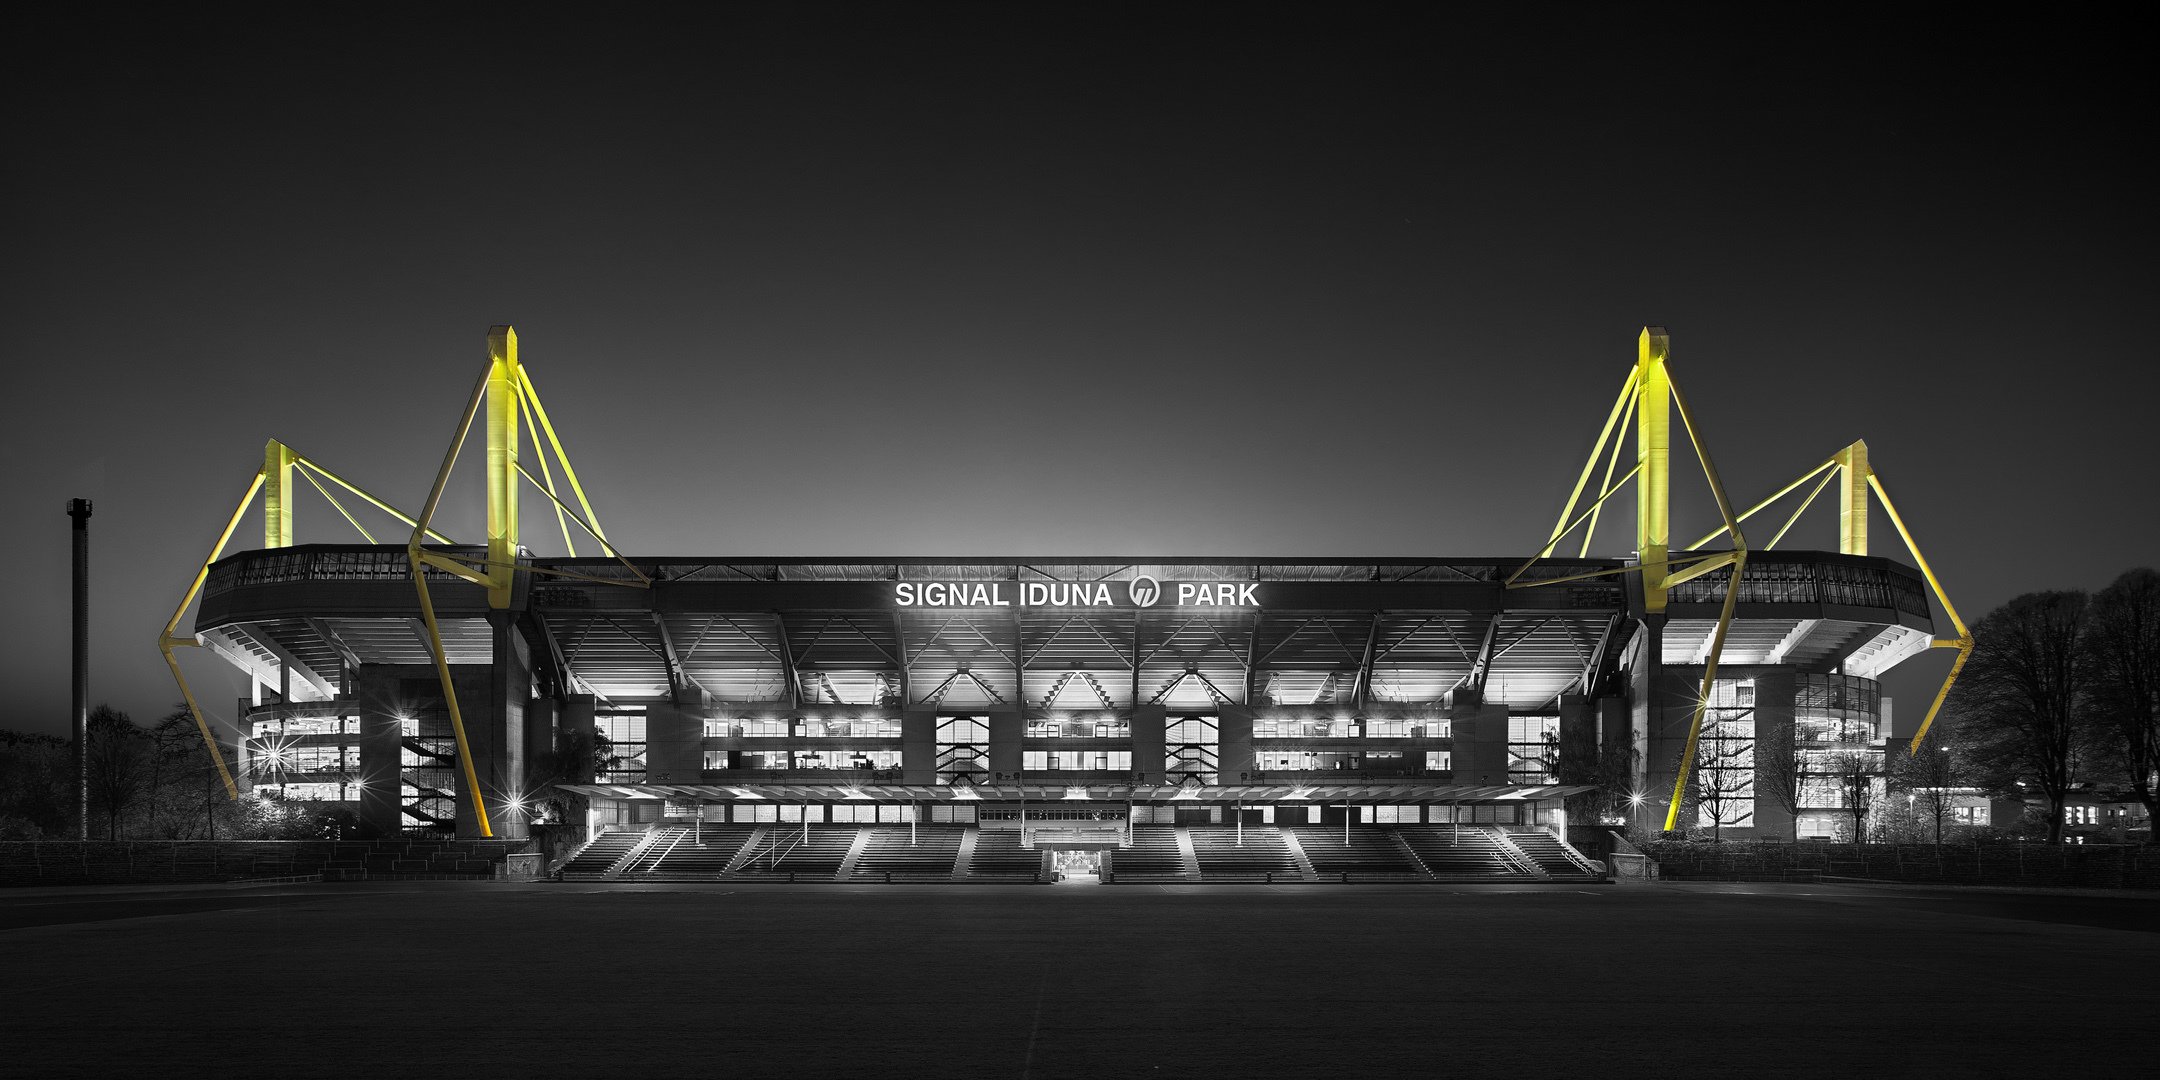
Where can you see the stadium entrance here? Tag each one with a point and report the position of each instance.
(1079, 866)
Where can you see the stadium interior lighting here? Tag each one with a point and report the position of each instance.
(1077, 793)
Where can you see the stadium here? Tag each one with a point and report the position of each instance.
(1026, 717)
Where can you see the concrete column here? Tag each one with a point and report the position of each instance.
(1234, 752)
(675, 739)
(1578, 736)
(1148, 722)
(1006, 727)
(1774, 692)
(918, 747)
(509, 692)
(576, 731)
(1480, 739)
(487, 738)
(377, 689)
(540, 733)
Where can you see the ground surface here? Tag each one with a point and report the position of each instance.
(461, 980)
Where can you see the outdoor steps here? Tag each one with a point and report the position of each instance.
(1553, 855)
(684, 855)
(931, 851)
(1297, 852)
(964, 862)
(1368, 851)
(1521, 859)
(597, 858)
(998, 853)
(1458, 851)
(1186, 857)
(1218, 850)
(820, 854)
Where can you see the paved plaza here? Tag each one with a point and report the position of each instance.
(485, 979)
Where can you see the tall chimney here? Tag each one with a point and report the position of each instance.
(79, 509)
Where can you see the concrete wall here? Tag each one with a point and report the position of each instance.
(918, 746)
(1148, 722)
(1234, 753)
(675, 739)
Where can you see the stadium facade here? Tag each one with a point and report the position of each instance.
(1067, 704)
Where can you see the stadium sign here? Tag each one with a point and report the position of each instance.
(1140, 592)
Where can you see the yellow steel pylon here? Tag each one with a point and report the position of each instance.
(280, 464)
(506, 392)
(1856, 477)
(1649, 397)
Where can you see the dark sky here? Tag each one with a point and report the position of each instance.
(1318, 281)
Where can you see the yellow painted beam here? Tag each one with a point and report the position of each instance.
(170, 639)
(1963, 643)
(502, 461)
(1853, 498)
(277, 495)
(316, 468)
(419, 558)
(1702, 697)
(1653, 462)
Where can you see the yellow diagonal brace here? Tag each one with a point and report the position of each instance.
(562, 508)
(1963, 643)
(590, 522)
(1681, 577)
(461, 568)
(418, 559)
(1765, 504)
(1611, 462)
(1702, 698)
(449, 687)
(167, 640)
(1802, 508)
(1625, 402)
(1717, 487)
(316, 467)
(532, 394)
(1586, 515)
(562, 520)
(1618, 570)
(309, 476)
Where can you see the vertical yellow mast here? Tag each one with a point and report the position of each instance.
(277, 494)
(1653, 462)
(1853, 498)
(502, 464)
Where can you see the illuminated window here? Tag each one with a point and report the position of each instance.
(1189, 748)
(1078, 760)
(963, 748)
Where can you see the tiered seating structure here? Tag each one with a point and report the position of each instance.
(1263, 856)
(999, 856)
(1550, 854)
(1369, 851)
(1153, 855)
(891, 854)
(592, 861)
(676, 851)
(1458, 851)
(818, 856)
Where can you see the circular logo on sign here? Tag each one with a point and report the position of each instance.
(1144, 590)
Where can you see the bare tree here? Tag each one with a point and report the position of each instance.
(118, 762)
(2021, 700)
(1852, 776)
(2122, 653)
(1778, 769)
(1930, 779)
(36, 784)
